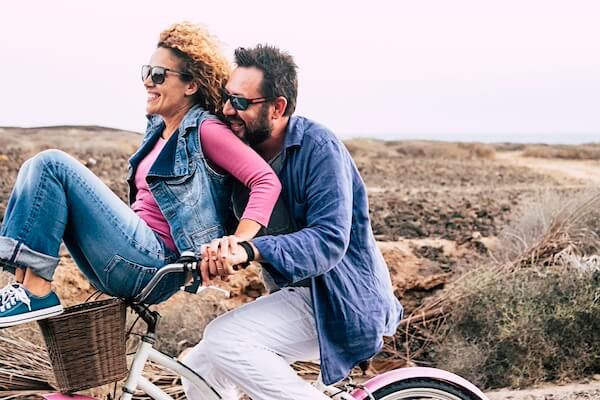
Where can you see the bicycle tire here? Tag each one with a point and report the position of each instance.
(421, 389)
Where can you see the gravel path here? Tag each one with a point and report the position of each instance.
(572, 391)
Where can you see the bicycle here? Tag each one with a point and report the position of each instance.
(404, 383)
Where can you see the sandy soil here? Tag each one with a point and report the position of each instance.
(586, 171)
(572, 391)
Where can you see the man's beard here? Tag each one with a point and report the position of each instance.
(260, 130)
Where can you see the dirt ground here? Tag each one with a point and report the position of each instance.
(587, 390)
(584, 171)
(436, 211)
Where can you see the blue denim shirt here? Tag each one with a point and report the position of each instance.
(352, 294)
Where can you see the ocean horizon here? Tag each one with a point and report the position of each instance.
(497, 137)
(524, 138)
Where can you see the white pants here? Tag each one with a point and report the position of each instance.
(250, 349)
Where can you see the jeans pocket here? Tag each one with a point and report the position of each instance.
(124, 278)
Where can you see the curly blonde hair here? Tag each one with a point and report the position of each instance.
(201, 57)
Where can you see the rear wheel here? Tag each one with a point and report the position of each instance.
(421, 389)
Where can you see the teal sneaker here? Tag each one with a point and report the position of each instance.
(18, 306)
(6, 291)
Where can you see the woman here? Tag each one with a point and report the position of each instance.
(179, 191)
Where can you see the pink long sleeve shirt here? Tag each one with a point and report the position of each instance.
(226, 154)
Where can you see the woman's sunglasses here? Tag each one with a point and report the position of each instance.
(158, 74)
(241, 103)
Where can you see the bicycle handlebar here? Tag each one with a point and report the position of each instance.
(186, 263)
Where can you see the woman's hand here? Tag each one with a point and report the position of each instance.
(220, 257)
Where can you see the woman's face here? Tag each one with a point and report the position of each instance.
(174, 94)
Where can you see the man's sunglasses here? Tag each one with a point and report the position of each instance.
(241, 103)
(158, 74)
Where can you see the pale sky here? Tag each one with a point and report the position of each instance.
(505, 70)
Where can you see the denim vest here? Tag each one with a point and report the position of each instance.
(194, 199)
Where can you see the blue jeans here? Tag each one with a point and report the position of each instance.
(56, 198)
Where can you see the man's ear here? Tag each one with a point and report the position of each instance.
(280, 104)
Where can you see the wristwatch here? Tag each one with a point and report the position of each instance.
(249, 252)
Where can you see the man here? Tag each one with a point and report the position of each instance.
(332, 297)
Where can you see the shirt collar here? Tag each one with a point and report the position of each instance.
(293, 133)
(154, 120)
(189, 120)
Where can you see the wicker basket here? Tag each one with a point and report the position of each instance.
(86, 345)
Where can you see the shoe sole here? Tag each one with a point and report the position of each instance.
(31, 316)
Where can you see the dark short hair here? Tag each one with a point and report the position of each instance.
(279, 72)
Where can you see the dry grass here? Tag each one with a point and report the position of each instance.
(567, 152)
(24, 366)
(556, 224)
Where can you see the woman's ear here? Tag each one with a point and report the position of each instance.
(191, 88)
(280, 104)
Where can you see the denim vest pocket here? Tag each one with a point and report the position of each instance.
(214, 175)
(183, 188)
(124, 278)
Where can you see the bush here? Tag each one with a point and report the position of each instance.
(520, 328)
(534, 315)
(506, 146)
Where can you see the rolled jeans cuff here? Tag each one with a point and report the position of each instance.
(14, 254)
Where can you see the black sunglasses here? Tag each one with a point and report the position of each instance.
(241, 103)
(158, 74)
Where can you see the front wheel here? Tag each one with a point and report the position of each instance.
(422, 389)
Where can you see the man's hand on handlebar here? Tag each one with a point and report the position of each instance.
(221, 258)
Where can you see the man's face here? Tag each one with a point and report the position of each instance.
(252, 125)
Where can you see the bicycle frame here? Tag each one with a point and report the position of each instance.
(135, 380)
(146, 352)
